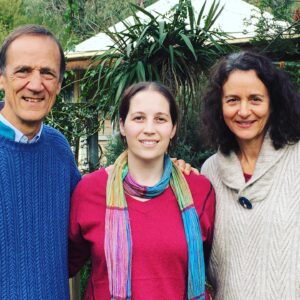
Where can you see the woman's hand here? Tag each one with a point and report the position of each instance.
(186, 168)
(109, 169)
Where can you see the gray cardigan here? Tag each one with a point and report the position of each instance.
(256, 252)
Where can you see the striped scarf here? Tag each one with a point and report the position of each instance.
(118, 241)
(131, 187)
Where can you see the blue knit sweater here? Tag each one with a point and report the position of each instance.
(36, 181)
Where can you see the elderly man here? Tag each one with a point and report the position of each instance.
(38, 171)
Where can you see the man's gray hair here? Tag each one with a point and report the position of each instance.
(30, 30)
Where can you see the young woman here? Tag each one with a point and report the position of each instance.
(140, 224)
(252, 117)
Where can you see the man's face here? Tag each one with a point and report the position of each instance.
(30, 81)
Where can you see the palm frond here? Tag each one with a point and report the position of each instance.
(161, 48)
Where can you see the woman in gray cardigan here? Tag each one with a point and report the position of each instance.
(252, 118)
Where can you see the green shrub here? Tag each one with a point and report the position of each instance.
(113, 149)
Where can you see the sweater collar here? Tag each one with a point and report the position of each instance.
(232, 174)
(8, 130)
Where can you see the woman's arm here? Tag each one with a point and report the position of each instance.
(79, 249)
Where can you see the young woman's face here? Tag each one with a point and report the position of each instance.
(148, 127)
(246, 106)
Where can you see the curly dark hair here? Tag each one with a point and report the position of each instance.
(284, 120)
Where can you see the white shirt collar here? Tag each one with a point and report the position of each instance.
(19, 136)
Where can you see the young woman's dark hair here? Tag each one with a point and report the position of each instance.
(284, 120)
(132, 90)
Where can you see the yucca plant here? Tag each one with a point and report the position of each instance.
(174, 48)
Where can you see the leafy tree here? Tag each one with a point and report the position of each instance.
(276, 36)
(75, 20)
(11, 16)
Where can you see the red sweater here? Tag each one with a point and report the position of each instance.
(159, 262)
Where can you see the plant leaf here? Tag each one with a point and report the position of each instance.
(141, 71)
(189, 44)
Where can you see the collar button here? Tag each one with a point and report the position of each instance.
(245, 202)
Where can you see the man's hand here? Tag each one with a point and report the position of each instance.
(186, 168)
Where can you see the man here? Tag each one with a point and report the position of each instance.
(38, 171)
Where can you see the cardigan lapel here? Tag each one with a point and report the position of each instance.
(257, 188)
